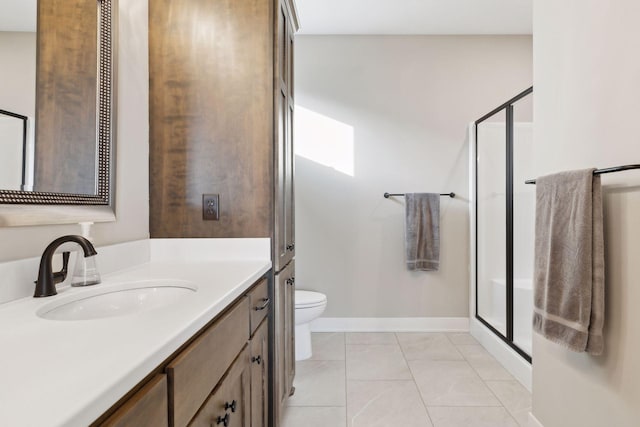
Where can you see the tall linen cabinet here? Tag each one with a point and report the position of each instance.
(221, 123)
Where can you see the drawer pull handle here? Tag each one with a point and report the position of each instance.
(224, 420)
(257, 360)
(264, 305)
(291, 281)
(231, 406)
(291, 247)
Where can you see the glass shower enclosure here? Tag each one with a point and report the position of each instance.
(505, 219)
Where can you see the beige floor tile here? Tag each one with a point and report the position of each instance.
(484, 363)
(306, 416)
(371, 338)
(491, 371)
(385, 403)
(376, 362)
(461, 338)
(514, 397)
(475, 352)
(471, 417)
(450, 383)
(319, 383)
(327, 346)
(427, 346)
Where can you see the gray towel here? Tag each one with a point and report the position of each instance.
(422, 231)
(569, 260)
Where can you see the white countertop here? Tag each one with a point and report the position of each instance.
(67, 373)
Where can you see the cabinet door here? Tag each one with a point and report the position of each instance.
(260, 376)
(229, 405)
(284, 156)
(290, 348)
(284, 365)
(194, 372)
(147, 407)
(289, 213)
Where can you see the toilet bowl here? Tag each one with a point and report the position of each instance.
(309, 306)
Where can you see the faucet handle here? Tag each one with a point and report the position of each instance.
(62, 274)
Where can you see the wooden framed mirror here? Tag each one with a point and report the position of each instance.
(59, 166)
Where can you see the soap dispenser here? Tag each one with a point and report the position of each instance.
(86, 271)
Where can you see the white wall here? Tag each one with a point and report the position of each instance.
(586, 73)
(132, 185)
(393, 113)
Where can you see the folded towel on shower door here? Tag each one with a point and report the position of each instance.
(422, 231)
(569, 260)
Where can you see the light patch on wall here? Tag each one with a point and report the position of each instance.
(324, 140)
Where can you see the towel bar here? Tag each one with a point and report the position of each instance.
(600, 171)
(387, 195)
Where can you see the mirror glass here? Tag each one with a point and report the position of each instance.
(55, 101)
(18, 38)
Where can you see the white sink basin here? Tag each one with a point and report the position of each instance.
(117, 300)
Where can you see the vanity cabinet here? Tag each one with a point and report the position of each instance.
(219, 378)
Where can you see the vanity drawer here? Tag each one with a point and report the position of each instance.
(229, 405)
(147, 407)
(260, 304)
(195, 371)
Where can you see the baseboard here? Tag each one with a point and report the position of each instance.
(533, 421)
(390, 324)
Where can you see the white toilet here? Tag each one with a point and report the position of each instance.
(309, 306)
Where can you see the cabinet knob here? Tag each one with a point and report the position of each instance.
(257, 359)
(291, 281)
(231, 406)
(291, 247)
(224, 420)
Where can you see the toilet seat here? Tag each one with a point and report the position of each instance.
(309, 299)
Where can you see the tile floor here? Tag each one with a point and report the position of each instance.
(404, 380)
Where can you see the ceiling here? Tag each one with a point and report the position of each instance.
(415, 16)
(18, 15)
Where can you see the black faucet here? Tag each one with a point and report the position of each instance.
(47, 279)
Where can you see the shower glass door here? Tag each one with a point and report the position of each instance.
(505, 209)
(524, 207)
(491, 216)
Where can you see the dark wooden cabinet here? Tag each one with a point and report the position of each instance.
(230, 403)
(221, 376)
(260, 376)
(285, 337)
(221, 122)
(284, 232)
(284, 227)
